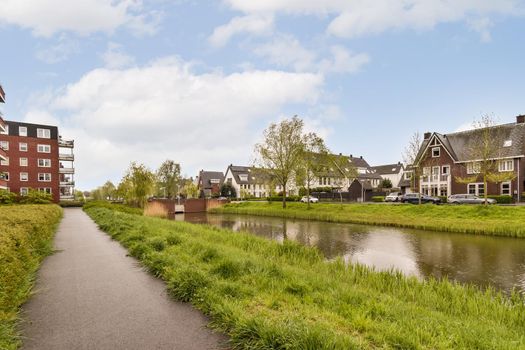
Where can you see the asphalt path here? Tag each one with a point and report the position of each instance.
(91, 295)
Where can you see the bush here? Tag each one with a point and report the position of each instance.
(378, 199)
(36, 197)
(444, 199)
(25, 239)
(503, 199)
(7, 197)
(72, 204)
(280, 199)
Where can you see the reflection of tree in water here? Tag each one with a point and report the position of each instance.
(484, 261)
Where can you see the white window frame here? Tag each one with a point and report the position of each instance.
(510, 188)
(473, 168)
(22, 131)
(23, 147)
(5, 162)
(23, 162)
(477, 186)
(44, 177)
(506, 165)
(4, 145)
(6, 132)
(24, 177)
(43, 133)
(42, 148)
(48, 190)
(438, 149)
(24, 191)
(43, 161)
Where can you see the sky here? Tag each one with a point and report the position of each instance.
(199, 81)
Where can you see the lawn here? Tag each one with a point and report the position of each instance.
(270, 295)
(476, 219)
(26, 233)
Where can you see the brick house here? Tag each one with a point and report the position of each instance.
(209, 183)
(34, 156)
(444, 158)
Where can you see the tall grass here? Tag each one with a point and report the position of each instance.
(26, 232)
(477, 219)
(267, 295)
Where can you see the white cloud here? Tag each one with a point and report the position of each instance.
(355, 18)
(47, 17)
(287, 51)
(253, 24)
(61, 51)
(165, 110)
(115, 57)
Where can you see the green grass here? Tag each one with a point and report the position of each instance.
(26, 232)
(114, 206)
(475, 219)
(267, 295)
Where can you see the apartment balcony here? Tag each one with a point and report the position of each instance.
(2, 94)
(66, 170)
(67, 183)
(3, 154)
(66, 157)
(2, 125)
(66, 143)
(67, 197)
(436, 179)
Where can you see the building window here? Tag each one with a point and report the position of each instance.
(506, 165)
(5, 162)
(44, 177)
(44, 163)
(22, 131)
(6, 132)
(505, 189)
(477, 189)
(24, 177)
(45, 190)
(436, 152)
(473, 168)
(24, 191)
(44, 149)
(22, 146)
(4, 176)
(507, 143)
(4, 145)
(43, 133)
(23, 161)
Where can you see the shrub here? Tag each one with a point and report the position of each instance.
(36, 197)
(280, 199)
(72, 204)
(378, 199)
(7, 197)
(503, 199)
(444, 199)
(114, 206)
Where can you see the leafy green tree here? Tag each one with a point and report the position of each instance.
(281, 151)
(190, 190)
(108, 190)
(315, 156)
(228, 191)
(138, 184)
(386, 183)
(168, 179)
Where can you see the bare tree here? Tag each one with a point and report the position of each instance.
(280, 153)
(485, 150)
(410, 157)
(346, 172)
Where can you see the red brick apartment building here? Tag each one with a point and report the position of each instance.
(34, 156)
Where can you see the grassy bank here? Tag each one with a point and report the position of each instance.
(26, 232)
(478, 219)
(267, 295)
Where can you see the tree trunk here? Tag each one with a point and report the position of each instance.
(308, 193)
(284, 197)
(485, 192)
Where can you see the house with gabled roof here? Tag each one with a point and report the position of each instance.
(251, 181)
(209, 183)
(445, 158)
(397, 175)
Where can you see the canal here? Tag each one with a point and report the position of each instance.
(480, 260)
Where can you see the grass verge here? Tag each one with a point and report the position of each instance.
(267, 295)
(26, 233)
(475, 219)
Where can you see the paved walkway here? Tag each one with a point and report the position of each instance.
(90, 295)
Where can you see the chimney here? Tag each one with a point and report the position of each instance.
(351, 156)
(427, 135)
(340, 154)
(520, 119)
(361, 157)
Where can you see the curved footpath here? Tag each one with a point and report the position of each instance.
(91, 295)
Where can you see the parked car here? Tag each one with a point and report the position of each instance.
(394, 197)
(468, 199)
(413, 198)
(310, 199)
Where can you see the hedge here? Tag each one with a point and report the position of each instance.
(280, 199)
(378, 199)
(502, 199)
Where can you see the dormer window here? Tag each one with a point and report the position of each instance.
(243, 177)
(436, 152)
(507, 143)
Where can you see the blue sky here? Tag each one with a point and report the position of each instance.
(198, 81)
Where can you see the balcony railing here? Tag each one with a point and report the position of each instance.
(67, 183)
(435, 178)
(66, 170)
(66, 143)
(67, 157)
(66, 197)
(3, 154)
(2, 94)
(2, 124)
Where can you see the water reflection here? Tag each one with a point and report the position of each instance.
(484, 261)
